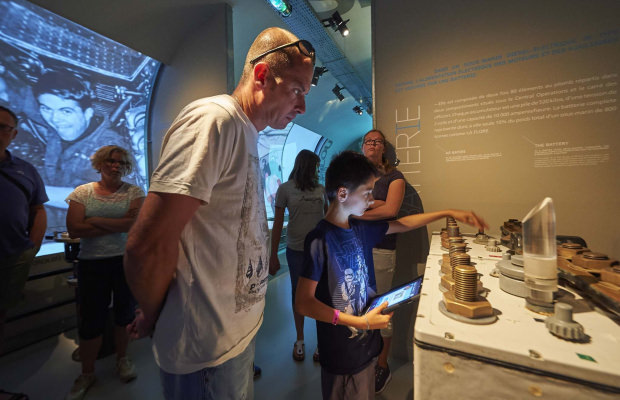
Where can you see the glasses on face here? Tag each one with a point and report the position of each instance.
(304, 46)
(373, 142)
(6, 128)
(111, 161)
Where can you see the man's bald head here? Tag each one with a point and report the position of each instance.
(277, 61)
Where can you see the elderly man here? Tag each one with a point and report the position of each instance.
(196, 256)
(23, 217)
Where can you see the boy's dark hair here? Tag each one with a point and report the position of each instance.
(64, 85)
(304, 172)
(350, 170)
(11, 113)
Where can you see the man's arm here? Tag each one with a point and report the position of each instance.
(118, 224)
(152, 251)
(308, 305)
(38, 220)
(276, 232)
(414, 221)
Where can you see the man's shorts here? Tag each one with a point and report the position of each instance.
(14, 272)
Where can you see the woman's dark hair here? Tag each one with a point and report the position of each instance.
(304, 171)
(387, 166)
(348, 169)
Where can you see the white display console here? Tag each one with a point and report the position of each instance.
(515, 357)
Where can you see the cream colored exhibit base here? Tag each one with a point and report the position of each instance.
(516, 357)
(452, 377)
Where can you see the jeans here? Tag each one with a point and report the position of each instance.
(14, 271)
(231, 380)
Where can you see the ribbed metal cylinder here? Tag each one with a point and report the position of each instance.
(455, 239)
(457, 247)
(459, 259)
(453, 231)
(465, 282)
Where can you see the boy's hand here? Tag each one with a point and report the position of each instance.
(470, 218)
(376, 320)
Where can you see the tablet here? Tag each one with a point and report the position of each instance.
(398, 296)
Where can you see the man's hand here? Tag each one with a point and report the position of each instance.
(274, 264)
(140, 327)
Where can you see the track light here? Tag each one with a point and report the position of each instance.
(282, 6)
(358, 110)
(337, 23)
(336, 90)
(318, 72)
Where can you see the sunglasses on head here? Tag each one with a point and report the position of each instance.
(304, 46)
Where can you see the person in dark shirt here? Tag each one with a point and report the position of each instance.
(23, 217)
(348, 339)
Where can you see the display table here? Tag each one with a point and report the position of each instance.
(515, 357)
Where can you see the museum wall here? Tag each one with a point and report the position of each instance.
(495, 105)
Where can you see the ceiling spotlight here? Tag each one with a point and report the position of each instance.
(369, 110)
(282, 6)
(318, 72)
(357, 110)
(336, 90)
(337, 23)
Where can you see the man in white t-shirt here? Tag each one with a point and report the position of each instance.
(196, 258)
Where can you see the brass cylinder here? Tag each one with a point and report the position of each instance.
(459, 259)
(465, 282)
(453, 231)
(455, 239)
(457, 248)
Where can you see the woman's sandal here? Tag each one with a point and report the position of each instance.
(315, 356)
(299, 352)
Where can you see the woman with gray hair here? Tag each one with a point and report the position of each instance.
(100, 214)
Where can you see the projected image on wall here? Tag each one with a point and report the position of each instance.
(73, 91)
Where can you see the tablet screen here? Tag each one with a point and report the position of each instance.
(398, 296)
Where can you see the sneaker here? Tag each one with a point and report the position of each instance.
(382, 378)
(299, 352)
(126, 369)
(257, 371)
(81, 386)
(315, 356)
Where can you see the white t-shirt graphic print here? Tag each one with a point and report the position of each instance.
(215, 303)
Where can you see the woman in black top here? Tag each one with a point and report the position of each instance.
(388, 193)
